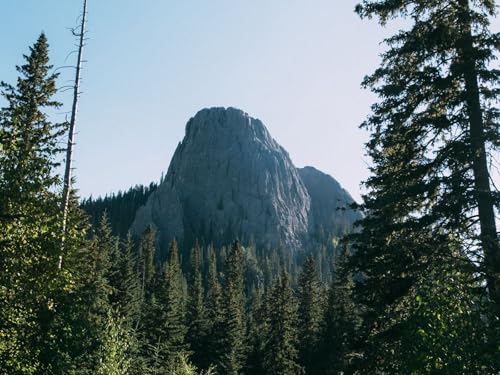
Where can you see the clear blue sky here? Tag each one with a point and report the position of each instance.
(297, 65)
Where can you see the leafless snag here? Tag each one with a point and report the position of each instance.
(72, 125)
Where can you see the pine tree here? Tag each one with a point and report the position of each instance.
(256, 328)
(309, 315)
(196, 312)
(213, 303)
(341, 320)
(281, 350)
(232, 350)
(432, 130)
(96, 291)
(110, 258)
(128, 294)
(146, 261)
(30, 286)
(169, 328)
(114, 355)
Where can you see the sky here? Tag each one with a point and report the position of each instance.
(151, 65)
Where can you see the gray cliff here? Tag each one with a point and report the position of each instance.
(331, 210)
(229, 178)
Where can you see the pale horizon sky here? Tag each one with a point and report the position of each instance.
(152, 65)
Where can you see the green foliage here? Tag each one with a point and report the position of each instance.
(146, 268)
(180, 365)
(341, 320)
(114, 353)
(128, 296)
(436, 121)
(196, 312)
(281, 349)
(256, 328)
(429, 232)
(30, 284)
(121, 207)
(167, 329)
(232, 351)
(310, 314)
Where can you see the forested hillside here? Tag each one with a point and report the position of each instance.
(120, 207)
(414, 289)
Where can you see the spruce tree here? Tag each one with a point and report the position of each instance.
(30, 286)
(309, 314)
(341, 320)
(114, 354)
(171, 327)
(97, 291)
(431, 132)
(232, 351)
(255, 331)
(281, 349)
(111, 259)
(128, 294)
(146, 261)
(214, 313)
(196, 312)
(429, 197)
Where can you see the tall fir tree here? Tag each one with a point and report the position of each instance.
(111, 258)
(213, 303)
(232, 350)
(281, 355)
(310, 315)
(255, 331)
(172, 327)
(431, 132)
(30, 286)
(433, 129)
(196, 312)
(341, 320)
(128, 293)
(145, 262)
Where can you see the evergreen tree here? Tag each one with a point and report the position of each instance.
(431, 133)
(309, 314)
(29, 139)
(213, 303)
(30, 286)
(128, 295)
(340, 320)
(256, 328)
(110, 258)
(429, 191)
(146, 261)
(281, 350)
(196, 312)
(232, 350)
(114, 355)
(171, 328)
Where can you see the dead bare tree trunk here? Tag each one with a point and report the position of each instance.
(72, 125)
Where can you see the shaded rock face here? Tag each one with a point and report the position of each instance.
(330, 204)
(229, 178)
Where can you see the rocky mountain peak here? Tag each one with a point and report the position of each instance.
(230, 179)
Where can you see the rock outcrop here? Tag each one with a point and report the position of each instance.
(229, 178)
(331, 210)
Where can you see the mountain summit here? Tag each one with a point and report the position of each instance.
(230, 179)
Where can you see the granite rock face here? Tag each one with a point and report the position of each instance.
(229, 178)
(330, 203)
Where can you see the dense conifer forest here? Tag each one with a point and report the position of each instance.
(415, 289)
